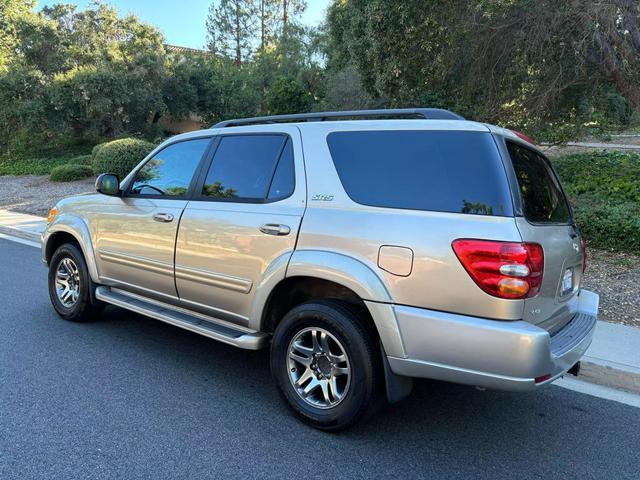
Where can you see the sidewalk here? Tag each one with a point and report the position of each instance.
(27, 227)
(613, 359)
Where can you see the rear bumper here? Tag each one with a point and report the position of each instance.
(490, 353)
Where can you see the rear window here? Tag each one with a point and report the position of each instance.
(444, 171)
(542, 198)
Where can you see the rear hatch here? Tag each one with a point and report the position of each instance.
(547, 220)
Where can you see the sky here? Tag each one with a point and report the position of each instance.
(183, 21)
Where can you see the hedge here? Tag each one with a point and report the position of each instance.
(604, 189)
(70, 172)
(120, 156)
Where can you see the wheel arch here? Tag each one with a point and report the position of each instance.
(67, 228)
(319, 274)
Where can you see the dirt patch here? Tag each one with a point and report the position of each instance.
(615, 277)
(36, 194)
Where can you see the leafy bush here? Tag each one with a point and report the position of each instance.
(96, 149)
(120, 156)
(70, 172)
(82, 160)
(604, 188)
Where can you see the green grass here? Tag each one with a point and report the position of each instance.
(38, 166)
(604, 189)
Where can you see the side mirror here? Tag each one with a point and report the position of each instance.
(108, 184)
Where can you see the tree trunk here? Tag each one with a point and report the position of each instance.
(262, 25)
(238, 51)
(285, 14)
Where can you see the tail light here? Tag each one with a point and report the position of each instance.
(584, 254)
(502, 269)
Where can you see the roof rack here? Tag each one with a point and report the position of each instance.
(423, 113)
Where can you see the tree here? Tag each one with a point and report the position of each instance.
(518, 61)
(268, 21)
(289, 9)
(80, 75)
(288, 95)
(231, 27)
(12, 14)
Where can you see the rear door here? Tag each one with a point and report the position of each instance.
(547, 219)
(244, 218)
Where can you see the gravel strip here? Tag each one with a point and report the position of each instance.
(615, 276)
(36, 194)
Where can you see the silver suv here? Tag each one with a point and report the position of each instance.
(362, 251)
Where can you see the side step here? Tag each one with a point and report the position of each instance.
(180, 318)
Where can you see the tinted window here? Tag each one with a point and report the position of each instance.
(170, 171)
(283, 180)
(243, 167)
(542, 197)
(423, 170)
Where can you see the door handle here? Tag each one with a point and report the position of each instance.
(275, 229)
(163, 217)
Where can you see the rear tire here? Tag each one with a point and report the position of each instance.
(70, 285)
(334, 381)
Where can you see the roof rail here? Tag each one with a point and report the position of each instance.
(424, 113)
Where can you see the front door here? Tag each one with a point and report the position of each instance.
(135, 234)
(243, 218)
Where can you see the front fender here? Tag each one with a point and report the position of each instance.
(362, 280)
(76, 227)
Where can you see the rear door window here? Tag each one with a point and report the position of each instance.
(251, 168)
(444, 171)
(543, 200)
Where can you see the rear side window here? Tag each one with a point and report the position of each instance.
(251, 168)
(442, 171)
(542, 198)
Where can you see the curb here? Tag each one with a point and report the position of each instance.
(608, 376)
(23, 234)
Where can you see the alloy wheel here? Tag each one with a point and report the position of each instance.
(319, 367)
(67, 282)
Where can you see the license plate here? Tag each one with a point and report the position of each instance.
(567, 281)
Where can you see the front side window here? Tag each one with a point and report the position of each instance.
(170, 171)
(251, 168)
(443, 171)
(542, 198)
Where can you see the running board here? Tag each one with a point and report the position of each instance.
(207, 326)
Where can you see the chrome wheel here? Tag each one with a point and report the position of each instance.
(319, 368)
(67, 282)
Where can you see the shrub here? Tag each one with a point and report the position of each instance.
(96, 149)
(70, 172)
(81, 160)
(604, 189)
(120, 156)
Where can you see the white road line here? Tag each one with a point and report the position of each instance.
(599, 391)
(23, 241)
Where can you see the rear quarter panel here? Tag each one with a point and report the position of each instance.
(437, 279)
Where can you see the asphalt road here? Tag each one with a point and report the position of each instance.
(130, 397)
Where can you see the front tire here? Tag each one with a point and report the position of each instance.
(70, 284)
(327, 364)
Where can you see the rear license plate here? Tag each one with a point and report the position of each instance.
(567, 281)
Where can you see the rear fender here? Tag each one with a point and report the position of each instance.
(359, 278)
